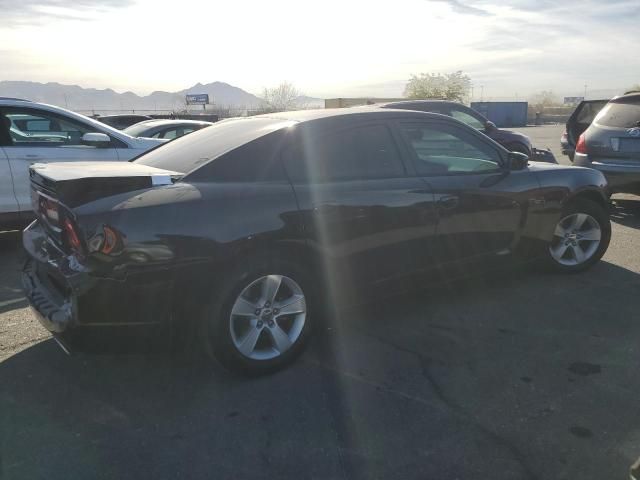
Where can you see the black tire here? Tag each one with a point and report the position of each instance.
(216, 331)
(600, 215)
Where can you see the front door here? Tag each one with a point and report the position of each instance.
(363, 214)
(480, 204)
(39, 136)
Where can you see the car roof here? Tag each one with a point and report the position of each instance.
(303, 116)
(14, 99)
(123, 116)
(161, 122)
(403, 103)
(631, 97)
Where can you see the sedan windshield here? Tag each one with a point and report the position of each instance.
(194, 150)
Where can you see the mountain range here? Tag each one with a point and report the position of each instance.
(91, 100)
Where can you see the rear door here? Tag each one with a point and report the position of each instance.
(362, 212)
(480, 205)
(49, 137)
(581, 118)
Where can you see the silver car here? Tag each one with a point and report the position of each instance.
(611, 144)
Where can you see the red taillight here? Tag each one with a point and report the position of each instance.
(581, 146)
(72, 236)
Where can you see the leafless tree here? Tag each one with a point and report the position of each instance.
(544, 99)
(281, 98)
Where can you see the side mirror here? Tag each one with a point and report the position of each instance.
(96, 139)
(489, 126)
(517, 161)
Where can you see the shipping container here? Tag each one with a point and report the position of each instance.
(503, 114)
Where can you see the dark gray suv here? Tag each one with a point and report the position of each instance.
(611, 144)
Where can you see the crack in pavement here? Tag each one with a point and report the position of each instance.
(457, 409)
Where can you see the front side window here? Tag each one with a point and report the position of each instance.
(38, 128)
(359, 153)
(467, 118)
(446, 150)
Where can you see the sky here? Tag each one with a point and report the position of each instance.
(326, 48)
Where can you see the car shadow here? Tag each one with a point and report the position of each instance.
(511, 371)
(626, 211)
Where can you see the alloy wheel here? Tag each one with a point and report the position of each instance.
(576, 239)
(267, 317)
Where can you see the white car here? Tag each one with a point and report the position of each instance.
(33, 132)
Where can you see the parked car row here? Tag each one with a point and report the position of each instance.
(239, 236)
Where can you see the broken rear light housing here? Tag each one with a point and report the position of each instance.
(71, 237)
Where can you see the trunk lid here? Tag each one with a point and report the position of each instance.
(57, 188)
(77, 183)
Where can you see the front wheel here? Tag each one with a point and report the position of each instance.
(262, 320)
(580, 238)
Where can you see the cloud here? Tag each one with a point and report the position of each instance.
(34, 12)
(461, 7)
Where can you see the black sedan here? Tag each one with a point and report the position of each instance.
(161, 128)
(238, 236)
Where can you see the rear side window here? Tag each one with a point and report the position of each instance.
(588, 111)
(256, 161)
(366, 152)
(189, 152)
(619, 115)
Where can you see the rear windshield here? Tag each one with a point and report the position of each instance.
(189, 152)
(620, 115)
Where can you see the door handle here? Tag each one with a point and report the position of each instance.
(31, 156)
(448, 202)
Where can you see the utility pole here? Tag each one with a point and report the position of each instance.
(482, 93)
(585, 91)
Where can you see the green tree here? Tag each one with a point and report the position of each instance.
(449, 86)
(634, 88)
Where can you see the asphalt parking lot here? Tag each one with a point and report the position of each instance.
(514, 374)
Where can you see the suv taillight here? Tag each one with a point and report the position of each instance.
(72, 238)
(581, 146)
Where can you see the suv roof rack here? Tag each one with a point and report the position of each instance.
(15, 99)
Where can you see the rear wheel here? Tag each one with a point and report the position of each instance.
(262, 320)
(580, 238)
